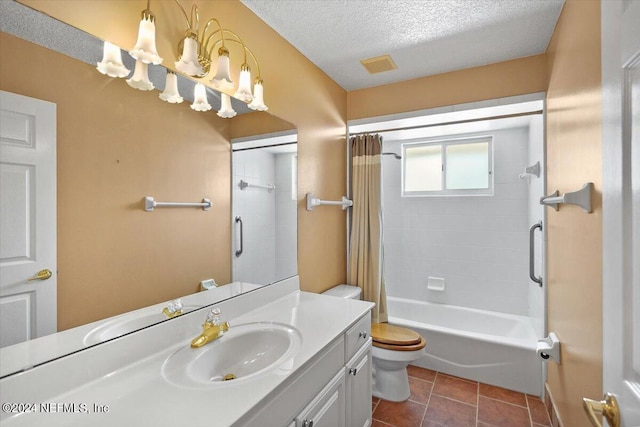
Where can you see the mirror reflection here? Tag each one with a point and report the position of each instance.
(114, 146)
(265, 208)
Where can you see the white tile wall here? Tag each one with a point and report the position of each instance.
(536, 213)
(286, 217)
(256, 206)
(478, 244)
(270, 218)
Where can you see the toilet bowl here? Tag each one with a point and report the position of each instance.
(394, 348)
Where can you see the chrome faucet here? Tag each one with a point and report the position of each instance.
(212, 329)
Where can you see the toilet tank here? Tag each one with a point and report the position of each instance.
(344, 291)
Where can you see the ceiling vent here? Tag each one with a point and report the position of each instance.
(379, 64)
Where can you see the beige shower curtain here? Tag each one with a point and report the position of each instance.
(366, 252)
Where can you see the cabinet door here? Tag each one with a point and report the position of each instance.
(358, 384)
(328, 408)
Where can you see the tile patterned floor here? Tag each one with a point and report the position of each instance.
(439, 400)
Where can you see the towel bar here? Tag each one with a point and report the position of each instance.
(150, 204)
(312, 202)
(580, 198)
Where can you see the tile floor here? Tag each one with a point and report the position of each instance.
(441, 400)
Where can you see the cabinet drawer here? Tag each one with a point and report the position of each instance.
(357, 335)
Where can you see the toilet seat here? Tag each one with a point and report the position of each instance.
(395, 338)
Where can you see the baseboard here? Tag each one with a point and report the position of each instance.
(551, 407)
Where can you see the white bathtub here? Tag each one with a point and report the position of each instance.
(493, 348)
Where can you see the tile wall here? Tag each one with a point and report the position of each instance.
(286, 216)
(256, 206)
(536, 213)
(478, 244)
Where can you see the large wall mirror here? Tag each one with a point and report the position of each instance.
(265, 189)
(115, 146)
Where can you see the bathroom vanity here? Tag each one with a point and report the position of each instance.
(295, 359)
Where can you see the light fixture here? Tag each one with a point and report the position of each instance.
(258, 97)
(140, 79)
(188, 63)
(196, 55)
(145, 48)
(111, 64)
(244, 84)
(226, 110)
(170, 93)
(222, 80)
(200, 102)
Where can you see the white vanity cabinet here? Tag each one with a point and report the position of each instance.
(346, 400)
(328, 408)
(326, 382)
(358, 388)
(334, 390)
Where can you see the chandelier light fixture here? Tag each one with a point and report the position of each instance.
(200, 102)
(170, 93)
(198, 51)
(111, 64)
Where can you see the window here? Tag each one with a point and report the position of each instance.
(451, 167)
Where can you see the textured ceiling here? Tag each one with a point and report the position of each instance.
(424, 37)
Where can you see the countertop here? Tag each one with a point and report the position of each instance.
(130, 385)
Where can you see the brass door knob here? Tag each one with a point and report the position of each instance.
(608, 407)
(41, 275)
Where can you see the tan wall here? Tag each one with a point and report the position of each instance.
(574, 247)
(510, 78)
(116, 145)
(295, 90)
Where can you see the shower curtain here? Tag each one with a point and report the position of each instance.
(366, 251)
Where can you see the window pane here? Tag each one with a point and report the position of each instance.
(423, 168)
(467, 166)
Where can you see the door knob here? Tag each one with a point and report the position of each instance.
(41, 275)
(608, 407)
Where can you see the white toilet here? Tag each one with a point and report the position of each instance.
(394, 348)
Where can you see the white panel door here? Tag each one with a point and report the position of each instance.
(27, 218)
(621, 205)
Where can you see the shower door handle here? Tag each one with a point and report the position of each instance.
(532, 274)
(239, 251)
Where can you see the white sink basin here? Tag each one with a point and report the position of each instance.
(245, 352)
(127, 323)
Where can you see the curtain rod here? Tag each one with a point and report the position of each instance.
(457, 122)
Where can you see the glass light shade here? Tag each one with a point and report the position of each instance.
(188, 62)
(170, 93)
(145, 48)
(140, 79)
(226, 110)
(111, 64)
(222, 80)
(200, 102)
(258, 97)
(244, 85)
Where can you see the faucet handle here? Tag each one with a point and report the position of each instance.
(175, 305)
(173, 308)
(213, 316)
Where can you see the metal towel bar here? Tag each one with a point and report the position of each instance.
(150, 204)
(312, 202)
(244, 184)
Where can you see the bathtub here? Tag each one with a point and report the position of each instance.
(493, 348)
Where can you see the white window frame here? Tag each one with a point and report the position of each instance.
(444, 143)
